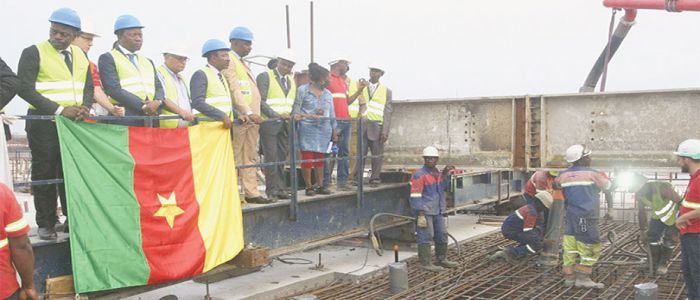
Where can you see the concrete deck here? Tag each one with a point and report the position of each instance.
(279, 280)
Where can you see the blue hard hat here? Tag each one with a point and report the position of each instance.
(241, 33)
(126, 22)
(213, 45)
(66, 16)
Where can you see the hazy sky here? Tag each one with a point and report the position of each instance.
(430, 49)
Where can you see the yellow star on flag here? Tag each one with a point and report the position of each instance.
(168, 209)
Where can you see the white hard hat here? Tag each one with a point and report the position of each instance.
(87, 26)
(287, 54)
(431, 151)
(175, 49)
(689, 148)
(376, 66)
(546, 198)
(338, 58)
(576, 152)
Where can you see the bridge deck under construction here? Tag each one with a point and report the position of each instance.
(478, 278)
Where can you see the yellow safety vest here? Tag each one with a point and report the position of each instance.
(170, 93)
(244, 81)
(138, 81)
(276, 99)
(218, 94)
(354, 107)
(55, 82)
(375, 104)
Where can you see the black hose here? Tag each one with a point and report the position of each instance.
(377, 241)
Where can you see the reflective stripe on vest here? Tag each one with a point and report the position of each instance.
(138, 81)
(3, 243)
(218, 94)
(54, 81)
(245, 85)
(276, 99)
(354, 107)
(171, 94)
(691, 205)
(375, 104)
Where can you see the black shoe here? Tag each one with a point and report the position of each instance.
(323, 190)
(260, 200)
(310, 191)
(65, 227)
(283, 195)
(47, 234)
(374, 182)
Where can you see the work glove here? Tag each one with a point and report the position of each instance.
(421, 221)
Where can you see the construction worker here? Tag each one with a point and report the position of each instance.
(688, 222)
(130, 79)
(357, 103)
(428, 206)
(541, 181)
(246, 98)
(581, 186)
(55, 80)
(9, 85)
(169, 74)
(278, 91)
(663, 201)
(211, 96)
(15, 250)
(525, 227)
(102, 106)
(378, 119)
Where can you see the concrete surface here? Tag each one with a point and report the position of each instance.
(279, 280)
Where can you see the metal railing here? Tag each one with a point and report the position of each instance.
(292, 162)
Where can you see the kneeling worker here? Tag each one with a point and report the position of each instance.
(525, 227)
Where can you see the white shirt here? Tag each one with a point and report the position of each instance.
(59, 110)
(183, 95)
(372, 88)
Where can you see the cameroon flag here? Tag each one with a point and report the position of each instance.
(148, 205)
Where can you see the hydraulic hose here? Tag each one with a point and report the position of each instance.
(377, 241)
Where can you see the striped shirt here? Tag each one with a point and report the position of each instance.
(12, 224)
(581, 187)
(427, 192)
(338, 88)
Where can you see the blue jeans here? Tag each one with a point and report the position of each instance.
(690, 254)
(435, 231)
(343, 130)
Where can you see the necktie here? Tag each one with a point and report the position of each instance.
(284, 84)
(66, 58)
(132, 58)
(221, 78)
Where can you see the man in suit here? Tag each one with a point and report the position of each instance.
(377, 120)
(130, 78)
(55, 80)
(246, 99)
(9, 84)
(277, 91)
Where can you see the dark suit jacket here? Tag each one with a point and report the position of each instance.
(110, 83)
(9, 84)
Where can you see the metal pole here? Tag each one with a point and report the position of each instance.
(312, 30)
(289, 40)
(607, 52)
(360, 163)
(293, 204)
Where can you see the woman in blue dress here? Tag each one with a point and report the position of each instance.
(312, 106)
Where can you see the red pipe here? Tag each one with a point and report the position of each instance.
(680, 5)
(630, 14)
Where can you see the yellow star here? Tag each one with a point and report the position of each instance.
(168, 209)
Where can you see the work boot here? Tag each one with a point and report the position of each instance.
(583, 280)
(323, 190)
(503, 255)
(664, 256)
(260, 200)
(569, 276)
(47, 234)
(425, 259)
(441, 254)
(655, 254)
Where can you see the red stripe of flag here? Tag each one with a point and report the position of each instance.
(163, 165)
